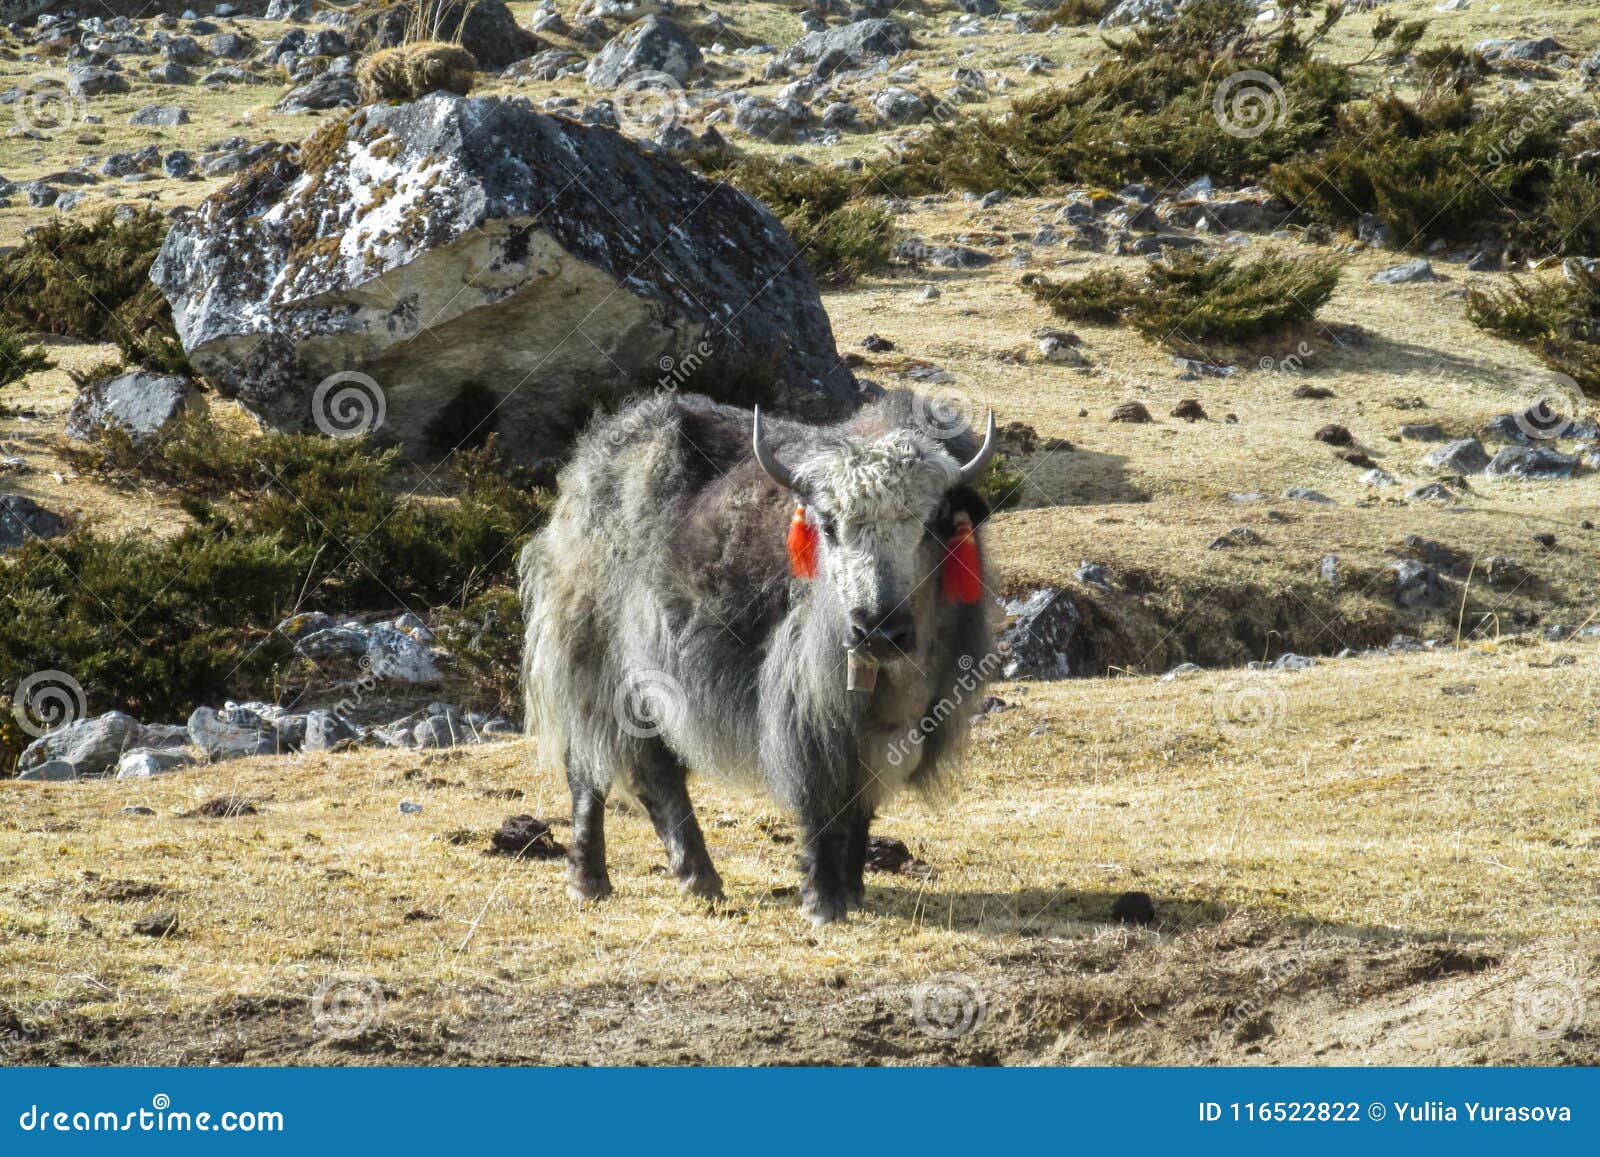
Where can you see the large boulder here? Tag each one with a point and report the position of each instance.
(859, 43)
(140, 404)
(489, 31)
(651, 45)
(461, 265)
(92, 746)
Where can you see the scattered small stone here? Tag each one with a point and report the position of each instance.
(1315, 392)
(1134, 908)
(224, 807)
(1306, 494)
(1463, 456)
(1423, 432)
(409, 808)
(1406, 273)
(1180, 671)
(157, 924)
(1130, 412)
(1238, 536)
(887, 854)
(1531, 462)
(136, 809)
(524, 836)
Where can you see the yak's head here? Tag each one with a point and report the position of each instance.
(884, 522)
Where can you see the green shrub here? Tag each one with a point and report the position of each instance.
(284, 520)
(1565, 218)
(91, 280)
(17, 361)
(1148, 114)
(1560, 320)
(1073, 13)
(1191, 300)
(842, 237)
(485, 634)
(1439, 167)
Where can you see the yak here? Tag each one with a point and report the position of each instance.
(792, 606)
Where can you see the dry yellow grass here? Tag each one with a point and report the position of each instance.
(1364, 811)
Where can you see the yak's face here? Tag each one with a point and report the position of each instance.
(884, 510)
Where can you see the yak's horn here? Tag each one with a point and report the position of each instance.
(970, 472)
(778, 472)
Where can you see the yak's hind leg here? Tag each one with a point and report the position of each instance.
(587, 878)
(661, 784)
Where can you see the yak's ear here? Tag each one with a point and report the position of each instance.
(966, 500)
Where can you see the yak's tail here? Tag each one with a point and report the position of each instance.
(543, 659)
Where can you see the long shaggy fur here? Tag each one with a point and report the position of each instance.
(663, 575)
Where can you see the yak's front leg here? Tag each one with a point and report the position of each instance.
(856, 859)
(830, 875)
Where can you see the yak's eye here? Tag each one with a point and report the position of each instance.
(825, 525)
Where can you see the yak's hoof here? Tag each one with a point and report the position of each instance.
(583, 887)
(707, 885)
(821, 911)
(856, 897)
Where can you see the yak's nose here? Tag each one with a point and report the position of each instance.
(885, 635)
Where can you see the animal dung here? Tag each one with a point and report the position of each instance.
(526, 837)
(861, 671)
(1134, 908)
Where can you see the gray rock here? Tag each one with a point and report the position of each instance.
(1531, 462)
(162, 115)
(90, 81)
(1424, 432)
(325, 729)
(1328, 571)
(1463, 456)
(144, 762)
(859, 43)
(1406, 273)
(22, 519)
(1377, 476)
(1238, 536)
(324, 91)
(184, 50)
(51, 771)
(758, 117)
(488, 235)
(177, 164)
(285, 11)
(231, 735)
(1374, 231)
(653, 45)
(1501, 50)
(1418, 586)
(1306, 494)
(141, 404)
(918, 251)
(898, 106)
(551, 64)
(169, 73)
(395, 655)
(229, 46)
(92, 746)
(447, 729)
(1431, 492)
(1043, 639)
(485, 28)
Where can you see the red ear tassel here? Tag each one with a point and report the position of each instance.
(802, 545)
(963, 573)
